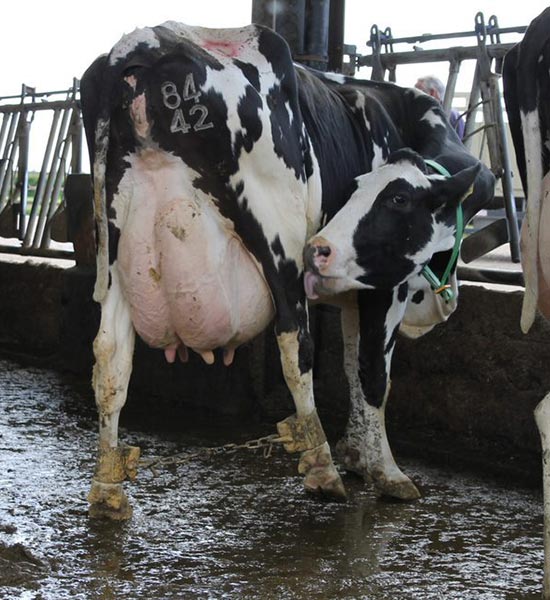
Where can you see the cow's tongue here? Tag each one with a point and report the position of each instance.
(310, 281)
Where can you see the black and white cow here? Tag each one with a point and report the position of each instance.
(526, 76)
(214, 160)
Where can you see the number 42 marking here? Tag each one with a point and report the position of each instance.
(180, 124)
(172, 100)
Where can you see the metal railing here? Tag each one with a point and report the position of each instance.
(29, 213)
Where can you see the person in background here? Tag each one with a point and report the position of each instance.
(434, 87)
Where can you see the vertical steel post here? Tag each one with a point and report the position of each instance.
(59, 179)
(48, 194)
(378, 71)
(475, 94)
(76, 133)
(336, 35)
(496, 134)
(42, 179)
(454, 68)
(5, 121)
(8, 160)
(316, 34)
(23, 171)
(507, 185)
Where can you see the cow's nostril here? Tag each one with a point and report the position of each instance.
(309, 254)
(323, 251)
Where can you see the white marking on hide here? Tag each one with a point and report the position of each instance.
(336, 77)
(278, 200)
(433, 118)
(420, 318)
(113, 351)
(230, 83)
(378, 152)
(299, 384)
(129, 42)
(443, 238)
(530, 228)
(100, 209)
(378, 156)
(314, 194)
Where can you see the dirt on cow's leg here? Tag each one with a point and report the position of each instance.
(108, 501)
(387, 481)
(321, 476)
(113, 350)
(396, 485)
(304, 430)
(107, 497)
(382, 470)
(351, 457)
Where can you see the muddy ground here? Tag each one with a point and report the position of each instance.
(237, 526)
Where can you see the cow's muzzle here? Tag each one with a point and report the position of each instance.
(316, 259)
(317, 256)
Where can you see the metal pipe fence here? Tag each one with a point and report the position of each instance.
(29, 211)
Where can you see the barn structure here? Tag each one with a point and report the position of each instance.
(477, 375)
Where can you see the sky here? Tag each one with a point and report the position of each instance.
(47, 43)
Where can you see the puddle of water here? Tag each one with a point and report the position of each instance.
(240, 526)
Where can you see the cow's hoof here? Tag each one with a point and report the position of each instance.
(350, 458)
(321, 476)
(108, 501)
(401, 488)
(328, 488)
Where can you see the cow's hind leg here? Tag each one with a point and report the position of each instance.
(113, 350)
(304, 429)
(369, 334)
(542, 418)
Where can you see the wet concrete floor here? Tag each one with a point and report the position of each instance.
(239, 526)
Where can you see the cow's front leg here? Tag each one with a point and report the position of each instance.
(113, 350)
(304, 428)
(369, 327)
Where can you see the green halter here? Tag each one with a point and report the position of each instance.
(440, 286)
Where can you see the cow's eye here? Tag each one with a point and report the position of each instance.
(399, 200)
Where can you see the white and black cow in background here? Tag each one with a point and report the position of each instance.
(526, 77)
(214, 160)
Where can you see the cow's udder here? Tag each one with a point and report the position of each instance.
(190, 281)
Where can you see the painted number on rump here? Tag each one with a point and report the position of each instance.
(196, 113)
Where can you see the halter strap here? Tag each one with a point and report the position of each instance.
(440, 286)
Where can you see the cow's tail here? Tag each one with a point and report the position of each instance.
(100, 208)
(530, 125)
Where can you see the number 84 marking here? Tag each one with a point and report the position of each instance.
(172, 100)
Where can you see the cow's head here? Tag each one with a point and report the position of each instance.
(389, 229)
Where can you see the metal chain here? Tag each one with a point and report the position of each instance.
(266, 443)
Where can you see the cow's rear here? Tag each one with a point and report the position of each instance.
(204, 193)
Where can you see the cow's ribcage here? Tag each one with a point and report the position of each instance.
(185, 273)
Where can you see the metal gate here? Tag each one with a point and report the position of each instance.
(31, 213)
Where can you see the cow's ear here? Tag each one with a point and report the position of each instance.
(409, 155)
(454, 189)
